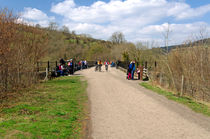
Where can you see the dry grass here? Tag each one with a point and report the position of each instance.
(192, 63)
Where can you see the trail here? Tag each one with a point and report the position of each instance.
(122, 109)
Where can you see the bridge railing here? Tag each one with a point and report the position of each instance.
(47, 67)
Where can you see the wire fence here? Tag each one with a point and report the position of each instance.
(184, 85)
(13, 79)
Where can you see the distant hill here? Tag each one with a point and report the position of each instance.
(203, 41)
(77, 46)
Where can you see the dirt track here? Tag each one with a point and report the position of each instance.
(121, 109)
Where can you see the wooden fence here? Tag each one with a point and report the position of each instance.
(45, 69)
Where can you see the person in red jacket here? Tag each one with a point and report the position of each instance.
(106, 63)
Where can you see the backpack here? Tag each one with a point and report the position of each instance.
(131, 66)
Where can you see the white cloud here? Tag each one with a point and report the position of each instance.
(178, 32)
(137, 19)
(35, 16)
(114, 11)
(183, 11)
(63, 7)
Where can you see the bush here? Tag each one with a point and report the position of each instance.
(21, 47)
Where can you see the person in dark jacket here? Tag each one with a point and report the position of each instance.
(71, 67)
(129, 70)
(62, 61)
(96, 65)
(133, 70)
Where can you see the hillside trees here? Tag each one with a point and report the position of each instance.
(79, 47)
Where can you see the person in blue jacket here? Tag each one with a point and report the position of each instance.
(133, 70)
(129, 70)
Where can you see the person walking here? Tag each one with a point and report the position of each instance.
(96, 64)
(106, 63)
(86, 64)
(99, 64)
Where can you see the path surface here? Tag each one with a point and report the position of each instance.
(122, 109)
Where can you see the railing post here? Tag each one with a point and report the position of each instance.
(161, 78)
(182, 86)
(48, 66)
(46, 77)
(145, 65)
(141, 72)
(37, 66)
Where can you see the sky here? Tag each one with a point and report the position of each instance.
(138, 20)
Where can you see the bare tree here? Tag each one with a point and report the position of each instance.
(65, 29)
(37, 26)
(53, 26)
(166, 34)
(117, 37)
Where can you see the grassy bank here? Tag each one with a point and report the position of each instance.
(55, 109)
(195, 106)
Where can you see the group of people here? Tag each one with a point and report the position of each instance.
(98, 65)
(82, 65)
(131, 70)
(65, 67)
(68, 67)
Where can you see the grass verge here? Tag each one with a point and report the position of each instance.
(54, 109)
(195, 106)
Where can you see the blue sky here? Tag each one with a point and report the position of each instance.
(139, 20)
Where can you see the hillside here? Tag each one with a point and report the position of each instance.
(67, 45)
(203, 41)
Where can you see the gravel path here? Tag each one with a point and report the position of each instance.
(122, 109)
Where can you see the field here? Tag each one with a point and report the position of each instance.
(55, 109)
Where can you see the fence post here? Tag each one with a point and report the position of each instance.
(48, 66)
(137, 64)
(46, 77)
(6, 79)
(182, 86)
(161, 77)
(37, 66)
(155, 64)
(146, 65)
(18, 74)
(56, 63)
(141, 72)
